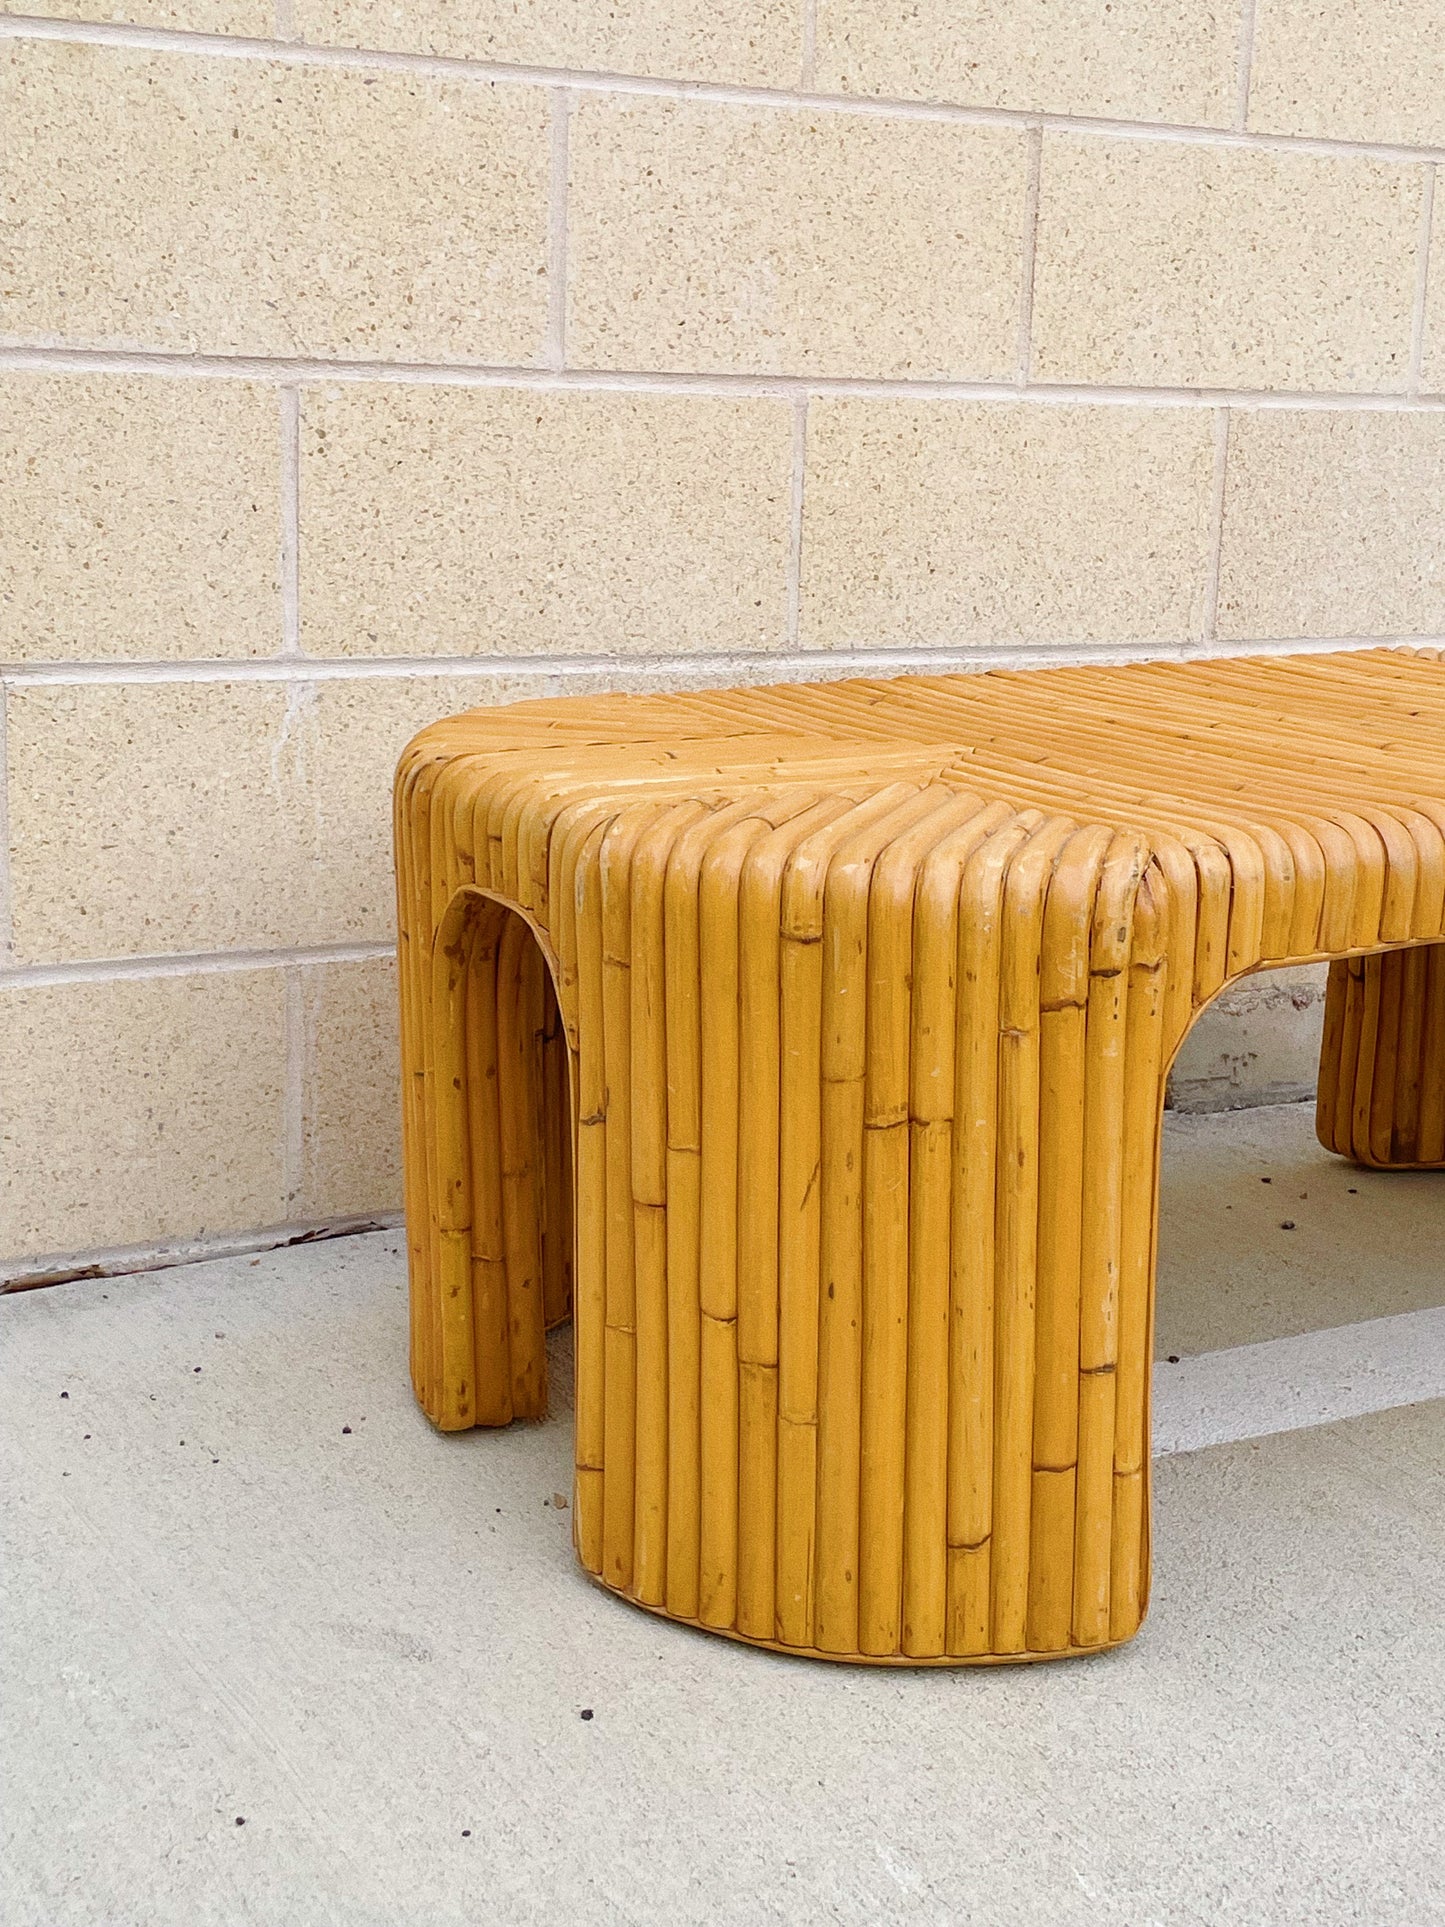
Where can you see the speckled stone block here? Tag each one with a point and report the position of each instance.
(937, 523)
(152, 817)
(466, 521)
(749, 42)
(733, 238)
(1365, 70)
(247, 207)
(1176, 264)
(142, 518)
(250, 19)
(351, 1095)
(1334, 525)
(1132, 60)
(140, 1109)
(156, 817)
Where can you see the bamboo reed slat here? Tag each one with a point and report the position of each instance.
(807, 1045)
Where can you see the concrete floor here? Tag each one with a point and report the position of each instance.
(371, 1644)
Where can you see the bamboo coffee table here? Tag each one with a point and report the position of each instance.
(807, 1044)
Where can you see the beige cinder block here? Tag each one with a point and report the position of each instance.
(1169, 60)
(714, 237)
(351, 1098)
(246, 207)
(140, 1109)
(750, 42)
(935, 523)
(155, 817)
(465, 521)
(142, 518)
(151, 817)
(346, 737)
(251, 19)
(1334, 525)
(1181, 264)
(1366, 70)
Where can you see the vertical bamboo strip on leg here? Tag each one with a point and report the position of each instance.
(557, 1166)
(455, 1342)
(1016, 1203)
(620, 1349)
(1063, 1005)
(647, 1079)
(800, 1155)
(1332, 1058)
(972, 1242)
(884, 1285)
(1378, 1104)
(717, 1264)
(835, 1598)
(1379, 1097)
(759, 962)
(1430, 1148)
(590, 1289)
(519, 1078)
(718, 1267)
(840, 1304)
(682, 983)
(684, 1150)
(886, 1180)
(760, 1126)
(438, 1014)
(1144, 1053)
(805, 869)
(1358, 1127)
(1101, 1254)
(1352, 1029)
(931, 1100)
(413, 986)
(491, 1320)
(1402, 1135)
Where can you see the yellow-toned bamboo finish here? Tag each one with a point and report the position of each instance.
(807, 1046)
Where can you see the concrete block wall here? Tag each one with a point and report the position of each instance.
(363, 360)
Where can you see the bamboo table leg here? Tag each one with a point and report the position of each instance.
(1382, 1063)
(809, 1045)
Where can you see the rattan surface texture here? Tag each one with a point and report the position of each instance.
(808, 1045)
